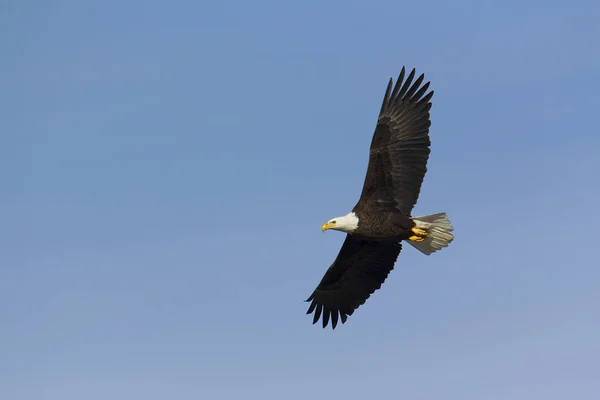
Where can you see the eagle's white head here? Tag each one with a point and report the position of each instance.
(348, 223)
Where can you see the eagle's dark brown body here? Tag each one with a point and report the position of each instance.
(383, 225)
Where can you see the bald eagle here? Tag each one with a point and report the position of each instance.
(381, 220)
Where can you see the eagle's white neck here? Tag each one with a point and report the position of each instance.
(348, 223)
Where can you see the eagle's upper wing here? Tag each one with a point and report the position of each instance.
(400, 146)
(359, 270)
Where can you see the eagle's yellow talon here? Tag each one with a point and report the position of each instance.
(419, 235)
(419, 232)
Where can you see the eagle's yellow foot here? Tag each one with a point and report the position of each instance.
(419, 235)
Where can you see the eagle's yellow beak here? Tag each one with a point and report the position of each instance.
(327, 225)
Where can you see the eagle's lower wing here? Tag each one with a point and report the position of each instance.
(358, 271)
(400, 146)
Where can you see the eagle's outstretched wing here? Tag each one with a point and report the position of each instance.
(359, 270)
(400, 146)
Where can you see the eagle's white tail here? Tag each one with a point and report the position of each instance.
(438, 228)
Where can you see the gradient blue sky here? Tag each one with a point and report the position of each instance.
(166, 168)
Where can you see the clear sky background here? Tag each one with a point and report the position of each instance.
(165, 169)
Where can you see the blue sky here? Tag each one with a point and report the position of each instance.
(166, 168)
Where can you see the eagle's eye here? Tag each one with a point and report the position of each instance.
(333, 222)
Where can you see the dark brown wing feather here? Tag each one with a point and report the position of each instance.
(359, 270)
(400, 146)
